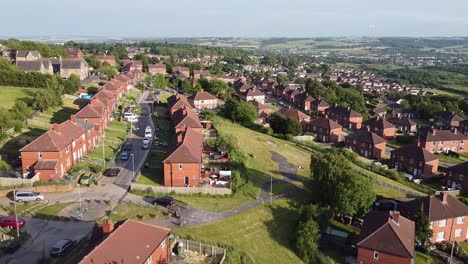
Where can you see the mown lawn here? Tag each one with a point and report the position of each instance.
(386, 192)
(153, 174)
(51, 211)
(9, 95)
(422, 258)
(214, 203)
(264, 232)
(128, 211)
(115, 134)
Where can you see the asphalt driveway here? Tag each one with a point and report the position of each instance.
(44, 234)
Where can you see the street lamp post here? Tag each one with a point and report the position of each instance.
(133, 165)
(16, 215)
(271, 187)
(79, 194)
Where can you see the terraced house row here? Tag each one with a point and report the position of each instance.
(53, 153)
(182, 166)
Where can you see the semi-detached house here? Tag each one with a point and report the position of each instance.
(437, 141)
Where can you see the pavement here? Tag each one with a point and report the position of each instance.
(44, 234)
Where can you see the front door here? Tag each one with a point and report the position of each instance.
(186, 181)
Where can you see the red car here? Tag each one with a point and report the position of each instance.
(9, 221)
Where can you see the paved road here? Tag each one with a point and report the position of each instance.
(287, 170)
(131, 167)
(44, 234)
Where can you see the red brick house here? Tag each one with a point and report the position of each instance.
(74, 53)
(381, 127)
(463, 127)
(319, 106)
(403, 124)
(95, 113)
(447, 119)
(325, 130)
(457, 177)
(344, 116)
(182, 166)
(302, 118)
(53, 153)
(154, 69)
(184, 118)
(437, 141)
(132, 242)
(181, 72)
(414, 160)
(263, 111)
(177, 101)
(386, 237)
(198, 73)
(204, 100)
(366, 143)
(304, 101)
(402, 112)
(107, 59)
(447, 215)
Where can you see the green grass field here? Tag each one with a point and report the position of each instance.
(127, 211)
(116, 134)
(9, 94)
(264, 232)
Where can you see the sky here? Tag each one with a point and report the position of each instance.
(234, 18)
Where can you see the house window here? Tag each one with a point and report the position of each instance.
(442, 223)
(458, 233)
(163, 244)
(376, 255)
(66, 149)
(40, 155)
(180, 166)
(440, 236)
(150, 260)
(460, 220)
(73, 144)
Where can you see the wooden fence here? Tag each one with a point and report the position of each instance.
(217, 254)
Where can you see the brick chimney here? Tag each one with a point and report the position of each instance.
(73, 118)
(433, 131)
(368, 128)
(184, 110)
(395, 216)
(443, 197)
(56, 128)
(349, 108)
(455, 130)
(179, 138)
(107, 226)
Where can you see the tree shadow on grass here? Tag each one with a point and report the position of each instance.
(62, 115)
(13, 145)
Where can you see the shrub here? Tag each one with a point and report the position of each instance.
(3, 136)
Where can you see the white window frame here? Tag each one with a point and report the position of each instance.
(150, 259)
(438, 238)
(163, 244)
(443, 223)
(39, 154)
(458, 232)
(180, 166)
(376, 254)
(460, 220)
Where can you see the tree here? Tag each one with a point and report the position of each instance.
(20, 110)
(5, 119)
(107, 70)
(423, 228)
(293, 127)
(216, 87)
(72, 84)
(160, 81)
(335, 184)
(308, 235)
(240, 111)
(278, 123)
(43, 100)
(186, 87)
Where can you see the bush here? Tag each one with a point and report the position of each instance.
(3, 136)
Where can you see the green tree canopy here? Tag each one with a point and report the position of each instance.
(423, 229)
(160, 81)
(307, 240)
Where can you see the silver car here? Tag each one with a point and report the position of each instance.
(28, 196)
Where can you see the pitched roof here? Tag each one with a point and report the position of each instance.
(55, 139)
(46, 164)
(30, 65)
(203, 96)
(259, 105)
(416, 152)
(186, 117)
(401, 121)
(89, 111)
(343, 111)
(131, 242)
(367, 137)
(320, 103)
(254, 92)
(378, 122)
(448, 115)
(460, 168)
(294, 114)
(189, 151)
(428, 135)
(434, 208)
(384, 231)
(323, 122)
(72, 63)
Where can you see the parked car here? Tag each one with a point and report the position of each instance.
(87, 179)
(62, 247)
(29, 196)
(111, 172)
(164, 201)
(133, 119)
(145, 145)
(148, 132)
(144, 113)
(386, 204)
(10, 221)
(124, 155)
(127, 146)
(145, 141)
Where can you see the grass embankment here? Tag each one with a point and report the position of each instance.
(10, 94)
(264, 233)
(115, 135)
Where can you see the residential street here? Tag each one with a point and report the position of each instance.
(137, 154)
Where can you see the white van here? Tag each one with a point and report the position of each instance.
(148, 132)
(132, 119)
(28, 196)
(127, 115)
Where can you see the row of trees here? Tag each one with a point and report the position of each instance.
(46, 50)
